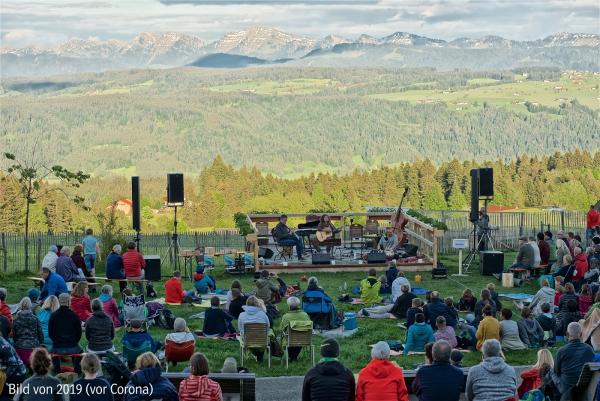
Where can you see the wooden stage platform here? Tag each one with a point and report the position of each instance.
(296, 267)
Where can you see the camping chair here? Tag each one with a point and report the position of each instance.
(256, 335)
(284, 252)
(319, 308)
(178, 352)
(299, 334)
(130, 353)
(134, 308)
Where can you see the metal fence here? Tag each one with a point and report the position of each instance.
(12, 246)
(507, 227)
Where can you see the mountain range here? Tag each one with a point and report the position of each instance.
(400, 49)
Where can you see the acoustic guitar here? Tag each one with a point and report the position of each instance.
(323, 236)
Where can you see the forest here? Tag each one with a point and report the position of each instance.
(216, 192)
(293, 122)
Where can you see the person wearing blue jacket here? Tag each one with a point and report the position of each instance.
(418, 335)
(114, 266)
(54, 284)
(203, 282)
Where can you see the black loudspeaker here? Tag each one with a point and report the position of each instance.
(264, 252)
(474, 214)
(152, 270)
(321, 258)
(175, 189)
(135, 203)
(376, 257)
(410, 250)
(486, 182)
(491, 262)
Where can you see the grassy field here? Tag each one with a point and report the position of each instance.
(583, 87)
(300, 86)
(354, 350)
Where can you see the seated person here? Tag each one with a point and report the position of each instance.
(91, 367)
(566, 270)
(64, 329)
(416, 307)
(237, 302)
(548, 323)
(198, 386)
(99, 330)
(488, 329)
(319, 306)
(254, 312)
(80, 301)
(109, 305)
(286, 237)
(326, 226)
(295, 315)
(397, 283)
(445, 332)
(563, 318)
(369, 289)
(530, 331)
(491, 287)
(136, 336)
(385, 287)
(266, 290)
(391, 274)
(174, 293)
(182, 333)
(485, 299)
(65, 267)
(114, 266)
(388, 242)
(229, 297)
(54, 284)
(217, 322)
(568, 295)
(467, 302)
(525, 256)
(41, 385)
(396, 310)
(203, 282)
(509, 332)
(418, 335)
(147, 381)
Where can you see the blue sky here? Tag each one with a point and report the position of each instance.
(51, 22)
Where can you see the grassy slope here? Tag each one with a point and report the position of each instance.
(355, 350)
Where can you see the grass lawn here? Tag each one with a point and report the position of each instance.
(355, 351)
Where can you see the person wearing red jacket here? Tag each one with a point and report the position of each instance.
(581, 265)
(133, 262)
(532, 378)
(4, 308)
(198, 387)
(174, 293)
(593, 220)
(381, 380)
(80, 301)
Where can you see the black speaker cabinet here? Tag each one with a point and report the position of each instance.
(376, 257)
(175, 189)
(152, 270)
(410, 250)
(491, 262)
(264, 252)
(135, 203)
(321, 258)
(486, 182)
(474, 214)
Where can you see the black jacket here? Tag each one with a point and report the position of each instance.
(99, 331)
(64, 328)
(569, 362)
(27, 331)
(402, 304)
(440, 381)
(235, 306)
(328, 381)
(216, 321)
(437, 308)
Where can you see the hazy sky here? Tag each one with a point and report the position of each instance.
(50, 22)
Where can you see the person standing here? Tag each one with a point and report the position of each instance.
(593, 220)
(91, 251)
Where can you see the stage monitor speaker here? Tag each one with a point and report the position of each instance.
(321, 258)
(264, 252)
(410, 250)
(175, 189)
(152, 269)
(474, 213)
(135, 203)
(491, 262)
(486, 182)
(376, 257)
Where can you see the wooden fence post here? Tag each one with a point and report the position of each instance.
(562, 220)
(38, 251)
(4, 253)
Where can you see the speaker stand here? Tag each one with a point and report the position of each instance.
(173, 251)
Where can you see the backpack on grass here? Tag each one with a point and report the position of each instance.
(165, 319)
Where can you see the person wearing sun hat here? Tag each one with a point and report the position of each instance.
(329, 380)
(381, 380)
(203, 282)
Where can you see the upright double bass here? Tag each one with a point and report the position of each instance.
(399, 221)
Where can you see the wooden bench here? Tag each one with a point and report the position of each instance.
(121, 280)
(585, 388)
(242, 384)
(518, 273)
(39, 282)
(537, 270)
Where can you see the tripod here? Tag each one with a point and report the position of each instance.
(173, 250)
(484, 238)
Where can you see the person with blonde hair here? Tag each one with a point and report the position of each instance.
(148, 376)
(41, 385)
(532, 378)
(254, 312)
(91, 367)
(49, 306)
(27, 330)
(562, 250)
(567, 269)
(198, 386)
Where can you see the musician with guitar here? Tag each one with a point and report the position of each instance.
(325, 231)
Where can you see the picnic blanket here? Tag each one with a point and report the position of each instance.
(206, 303)
(337, 333)
(419, 291)
(517, 296)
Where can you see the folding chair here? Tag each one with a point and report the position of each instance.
(134, 308)
(178, 352)
(284, 252)
(130, 353)
(299, 334)
(256, 335)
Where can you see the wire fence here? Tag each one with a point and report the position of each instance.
(12, 246)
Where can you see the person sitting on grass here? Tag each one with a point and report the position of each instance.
(564, 318)
(295, 315)
(54, 284)
(547, 322)
(439, 380)
(217, 322)
(198, 386)
(437, 308)
(238, 300)
(509, 332)
(532, 378)
(229, 296)
(266, 290)
(445, 332)
(80, 301)
(544, 294)
(381, 380)
(254, 312)
(492, 379)
(90, 366)
(585, 299)
(64, 329)
(418, 335)
(136, 336)
(398, 282)
(488, 329)
(99, 330)
(391, 274)
(491, 287)
(203, 282)
(568, 295)
(485, 299)
(369, 289)
(26, 331)
(174, 293)
(530, 331)
(467, 301)
(416, 307)
(41, 385)
(596, 305)
(49, 306)
(396, 310)
(109, 304)
(182, 333)
(147, 381)
(329, 380)
(456, 358)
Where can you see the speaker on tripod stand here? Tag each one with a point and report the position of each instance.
(175, 198)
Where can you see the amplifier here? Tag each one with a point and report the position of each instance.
(152, 270)
(264, 252)
(376, 257)
(491, 262)
(321, 258)
(439, 272)
(410, 250)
